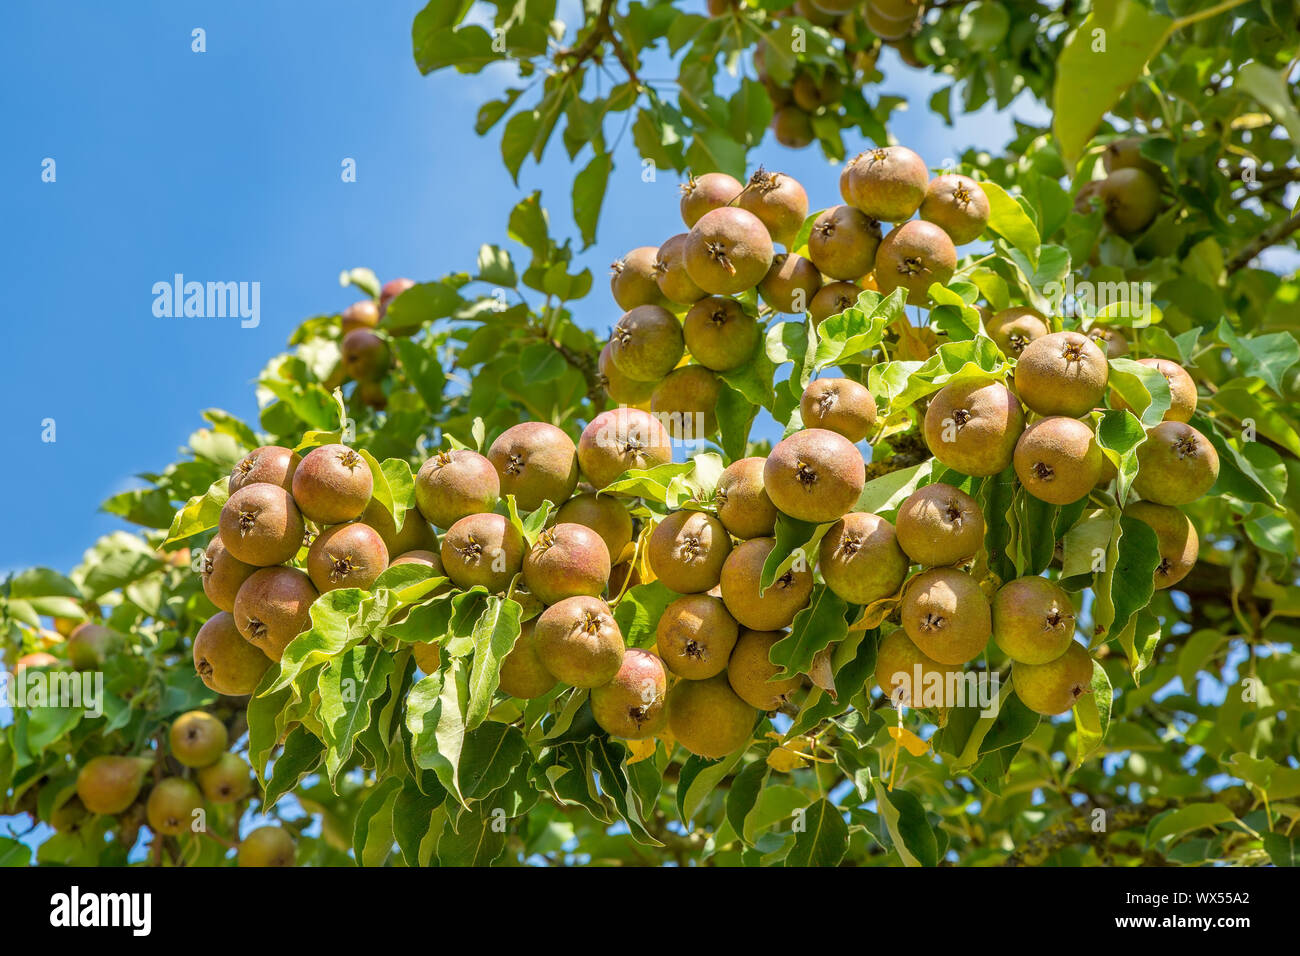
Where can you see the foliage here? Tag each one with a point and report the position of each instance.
(1185, 751)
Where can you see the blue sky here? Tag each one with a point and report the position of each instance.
(225, 166)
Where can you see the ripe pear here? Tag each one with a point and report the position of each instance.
(695, 636)
(109, 784)
(1176, 539)
(536, 462)
(946, 615)
(860, 558)
(815, 475)
(743, 505)
(1053, 688)
(223, 574)
(1033, 620)
(523, 674)
(225, 661)
(1176, 464)
(939, 524)
(750, 671)
(1111, 341)
(273, 607)
(896, 662)
(1062, 373)
(454, 484)
(566, 560)
(603, 514)
(776, 607)
(687, 550)
(1057, 460)
(579, 642)
(621, 439)
(416, 533)
(1014, 328)
(708, 718)
(482, 549)
(839, 404)
(227, 780)
(972, 426)
(198, 739)
(267, 846)
(631, 705)
(36, 659)
(171, 805)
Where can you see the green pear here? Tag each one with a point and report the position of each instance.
(109, 785)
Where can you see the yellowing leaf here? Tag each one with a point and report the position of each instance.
(641, 750)
(785, 760)
(909, 741)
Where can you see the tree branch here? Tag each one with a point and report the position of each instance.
(1079, 830)
(587, 49)
(1268, 237)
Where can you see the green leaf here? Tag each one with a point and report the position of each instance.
(349, 685)
(1010, 221)
(1177, 823)
(494, 635)
(817, 626)
(743, 794)
(884, 494)
(910, 831)
(474, 839)
(372, 835)
(1270, 89)
(1143, 388)
(589, 195)
(301, 755)
(823, 838)
(495, 267)
(201, 513)
(638, 611)
(1100, 61)
(1092, 715)
(435, 716)
(1268, 356)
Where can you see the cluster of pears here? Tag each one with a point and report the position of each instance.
(265, 602)
(814, 92)
(365, 357)
(686, 297)
(1129, 193)
(978, 427)
(198, 743)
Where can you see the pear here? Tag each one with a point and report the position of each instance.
(111, 784)
(267, 846)
(198, 739)
(227, 780)
(708, 718)
(89, 644)
(750, 671)
(171, 805)
(631, 705)
(1053, 688)
(523, 674)
(579, 642)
